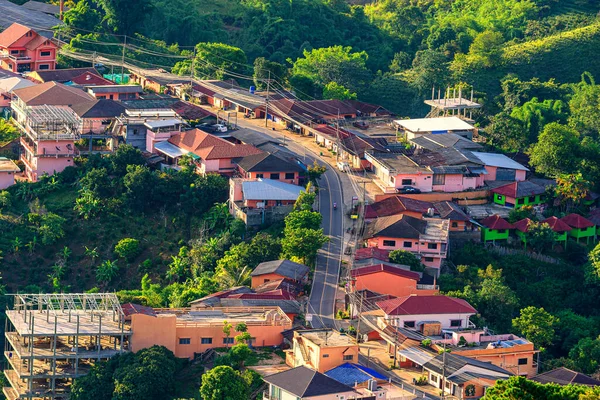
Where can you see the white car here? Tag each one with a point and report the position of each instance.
(220, 128)
(343, 166)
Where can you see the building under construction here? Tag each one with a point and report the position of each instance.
(51, 339)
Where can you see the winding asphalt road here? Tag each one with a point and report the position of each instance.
(327, 270)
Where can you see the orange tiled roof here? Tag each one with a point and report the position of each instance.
(13, 33)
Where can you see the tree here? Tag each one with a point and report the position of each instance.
(140, 184)
(517, 214)
(239, 354)
(586, 355)
(400, 62)
(404, 257)
(119, 17)
(146, 374)
(124, 156)
(334, 64)
(306, 200)
(594, 258)
(315, 171)
(303, 219)
(227, 330)
(218, 60)
(51, 227)
(83, 16)
(537, 325)
(107, 271)
(585, 107)
(128, 248)
(540, 236)
(97, 182)
(487, 46)
(521, 388)
(263, 69)
(557, 150)
(429, 68)
(303, 244)
(223, 383)
(335, 91)
(506, 132)
(495, 300)
(572, 189)
(535, 115)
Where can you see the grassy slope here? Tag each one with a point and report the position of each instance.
(158, 238)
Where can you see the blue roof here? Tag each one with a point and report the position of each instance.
(350, 374)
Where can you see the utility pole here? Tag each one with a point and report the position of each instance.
(94, 60)
(358, 323)
(444, 371)
(267, 101)
(192, 72)
(337, 137)
(123, 60)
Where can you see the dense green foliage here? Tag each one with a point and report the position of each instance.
(520, 388)
(147, 374)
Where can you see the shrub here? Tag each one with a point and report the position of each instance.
(128, 248)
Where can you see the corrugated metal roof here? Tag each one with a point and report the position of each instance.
(498, 160)
(267, 189)
(170, 149)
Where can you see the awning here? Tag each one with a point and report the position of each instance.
(170, 149)
(478, 170)
(417, 355)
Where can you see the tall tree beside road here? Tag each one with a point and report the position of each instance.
(303, 219)
(303, 244)
(263, 69)
(215, 60)
(315, 171)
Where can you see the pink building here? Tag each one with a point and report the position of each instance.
(456, 178)
(7, 85)
(8, 169)
(49, 140)
(269, 166)
(501, 168)
(22, 49)
(426, 238)
(210, 153)
(115, 92)
(394, 171)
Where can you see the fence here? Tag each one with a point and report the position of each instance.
(505, 251)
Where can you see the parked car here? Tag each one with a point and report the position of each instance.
(408, 190)
(360, 125)
(343, 166)
(220, 128)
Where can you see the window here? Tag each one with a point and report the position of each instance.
(43, 66)
(390, 243)
(501, 230)
(433, 378)
(45, 53)
(104, 98)
(185, 340)
(532, 199)
(522, 361)
(135, 131)
(325, 355)
(123, 96)
(519, 201)
(274, 176)
(456, 323)
(407, 244)
(227, 340)
(428, 259)
(439, 179)
(432, 246)
(455, 224)
(289, 175)
(406, 182)
(499, 196)
(206, 340)
(14, 52)
(259, 176)
(409, 324)
(349, 357)
(266, 280)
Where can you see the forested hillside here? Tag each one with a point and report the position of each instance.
(392, 52)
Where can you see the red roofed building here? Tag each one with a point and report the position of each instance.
(22, 49)
(278, 294)
(389, 279)
(211, 153)
(559, 227)
(495, 228)
(91, 79)
(371, 252)
(428, 314)
(395, 205)
(519, 194)
(581, 228)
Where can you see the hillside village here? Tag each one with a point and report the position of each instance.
(216, 234)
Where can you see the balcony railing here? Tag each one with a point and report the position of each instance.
(49, 154)
(15, 57)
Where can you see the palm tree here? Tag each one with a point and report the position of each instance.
(107, 271)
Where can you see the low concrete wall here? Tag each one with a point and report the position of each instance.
(476, 195)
